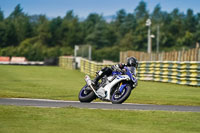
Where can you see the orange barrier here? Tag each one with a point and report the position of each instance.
(4, 59)
(18, 59)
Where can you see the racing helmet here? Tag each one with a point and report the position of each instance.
(132, 61)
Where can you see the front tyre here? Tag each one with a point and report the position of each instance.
(86, 95)
(118, 98)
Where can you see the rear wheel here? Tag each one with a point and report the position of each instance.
(119, 97)
(86, 95)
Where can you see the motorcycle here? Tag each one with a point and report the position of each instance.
(115, 88)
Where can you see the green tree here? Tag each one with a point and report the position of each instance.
(1, 15)
(3, 37)
(98, 37)
(127, 42)
(43, 30)
(91, 21)
(55, 30)
(9, 34)
(157, 15)
(71, 31)
(197, 33)
(120, 18)
(21, 23)
(190, 21)
(141, 11)
(18, 11)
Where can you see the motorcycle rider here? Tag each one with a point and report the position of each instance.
(131, 62)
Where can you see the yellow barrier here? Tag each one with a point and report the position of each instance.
(91, 67)
(66, 62)
(186, 73)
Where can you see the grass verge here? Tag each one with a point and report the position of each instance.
(14, 119)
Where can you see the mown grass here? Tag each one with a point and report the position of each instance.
(59, 83)
(165, 93)
(40, 82)
(15, 119)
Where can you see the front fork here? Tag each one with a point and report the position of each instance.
(89, 83)
(121, 87)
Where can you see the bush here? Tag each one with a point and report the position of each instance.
(35, 51)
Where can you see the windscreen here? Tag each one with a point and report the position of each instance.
(132, 70)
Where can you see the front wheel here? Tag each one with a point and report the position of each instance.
(118, 98)
(86, 95)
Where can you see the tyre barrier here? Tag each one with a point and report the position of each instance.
(66, 61)
(91, 67)
(185, 73)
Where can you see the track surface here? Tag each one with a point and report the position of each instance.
(94, 105)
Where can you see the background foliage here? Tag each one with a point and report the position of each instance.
(38, 37)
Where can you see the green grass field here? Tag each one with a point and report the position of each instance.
(40, 82)
(72, 120)
(59, 83)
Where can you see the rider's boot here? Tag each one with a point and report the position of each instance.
(95, 81)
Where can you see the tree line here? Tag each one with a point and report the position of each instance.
(37, 37)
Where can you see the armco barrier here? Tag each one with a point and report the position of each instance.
(185, 73)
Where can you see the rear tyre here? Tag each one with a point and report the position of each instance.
(86, 95)
(118, 98)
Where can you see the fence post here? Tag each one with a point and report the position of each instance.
(179, 55)
(183, 55)
(121, 56)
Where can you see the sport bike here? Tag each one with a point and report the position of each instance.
(115, 88)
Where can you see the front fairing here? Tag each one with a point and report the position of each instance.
(131, 72)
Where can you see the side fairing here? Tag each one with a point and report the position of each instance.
(118, 79)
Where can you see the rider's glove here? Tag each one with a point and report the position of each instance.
(116, 68)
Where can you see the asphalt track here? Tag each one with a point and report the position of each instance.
(94, 105)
